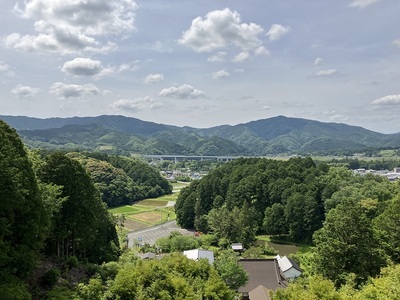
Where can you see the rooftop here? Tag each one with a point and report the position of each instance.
(263, 272)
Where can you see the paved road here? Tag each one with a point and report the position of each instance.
(150, 235)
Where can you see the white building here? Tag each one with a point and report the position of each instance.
(288, 267)
(197, 254)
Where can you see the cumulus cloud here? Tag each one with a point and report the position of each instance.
(135, 104)
(64, 91)
(220, 29)
(184, 91)
(24, 91)
(261, 51)
(317, 61)
(362, 3)
(387, 100)
(277, 31)
(83, 67)
(72, 26)
(326, 73)
(217, 57)
(220, 74)
(241, 57)
(154, 78)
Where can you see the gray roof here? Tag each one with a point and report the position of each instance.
(263, 272)
(286, 263)
(259, 293)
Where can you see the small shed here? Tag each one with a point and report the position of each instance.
(197, 254)
(237, 247)
(289, 268)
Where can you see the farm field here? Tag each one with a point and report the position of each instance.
(148, 212)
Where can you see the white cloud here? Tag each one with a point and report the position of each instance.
(6, 69)
(217, 57)
(397, 42)
(24, 91)
(326, 73)
(83, 67)
(387, 100)
(317, 61)
(154, 78)
(277, 31)
(241, 57)
(335, 116)
(220, 29)
(220, 74)
(64, 91)
(184, 91)
(72, 26)
(135, 104)
(362, 3)
(239, 70)
(261, 51)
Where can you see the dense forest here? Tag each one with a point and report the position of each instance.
(57, 240)
(351, 220)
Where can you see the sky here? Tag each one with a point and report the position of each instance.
(203, 63)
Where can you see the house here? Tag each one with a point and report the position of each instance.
(264, 273)
(289, 268)
(237, 247)
(197, 254)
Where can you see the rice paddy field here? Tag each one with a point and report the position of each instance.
(148, 212)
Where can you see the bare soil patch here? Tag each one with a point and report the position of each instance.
(134, 225)
(151, 217)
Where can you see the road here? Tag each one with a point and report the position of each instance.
(150, 235)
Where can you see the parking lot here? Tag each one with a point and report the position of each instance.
(150, 235)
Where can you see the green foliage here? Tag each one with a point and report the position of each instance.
(237, 225)
(23, 219)
(14, 290)
(121, 180)
(346, 244)
(172, 277)
(387, 228)
(278, 135)
(230, 271)
(246, 194)
(82, 227)
(177, 242)
(386, 286)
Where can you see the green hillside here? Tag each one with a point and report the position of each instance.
(273, 136)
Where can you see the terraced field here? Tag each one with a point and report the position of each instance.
(148, 212)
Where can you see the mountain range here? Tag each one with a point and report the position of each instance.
(272, 136)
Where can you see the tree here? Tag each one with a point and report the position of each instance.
(82, 227)
(173, 277)
(274, 219)
(230, 271)
(23, 219)
(346, 244)
(387, 227)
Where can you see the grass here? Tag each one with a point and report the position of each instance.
(148, 212)
(300, 248)
(127, 209)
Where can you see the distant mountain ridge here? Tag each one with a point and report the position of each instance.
(277, 135)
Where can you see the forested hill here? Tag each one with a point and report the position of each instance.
(119, 134)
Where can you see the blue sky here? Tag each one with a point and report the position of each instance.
(203, 63)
